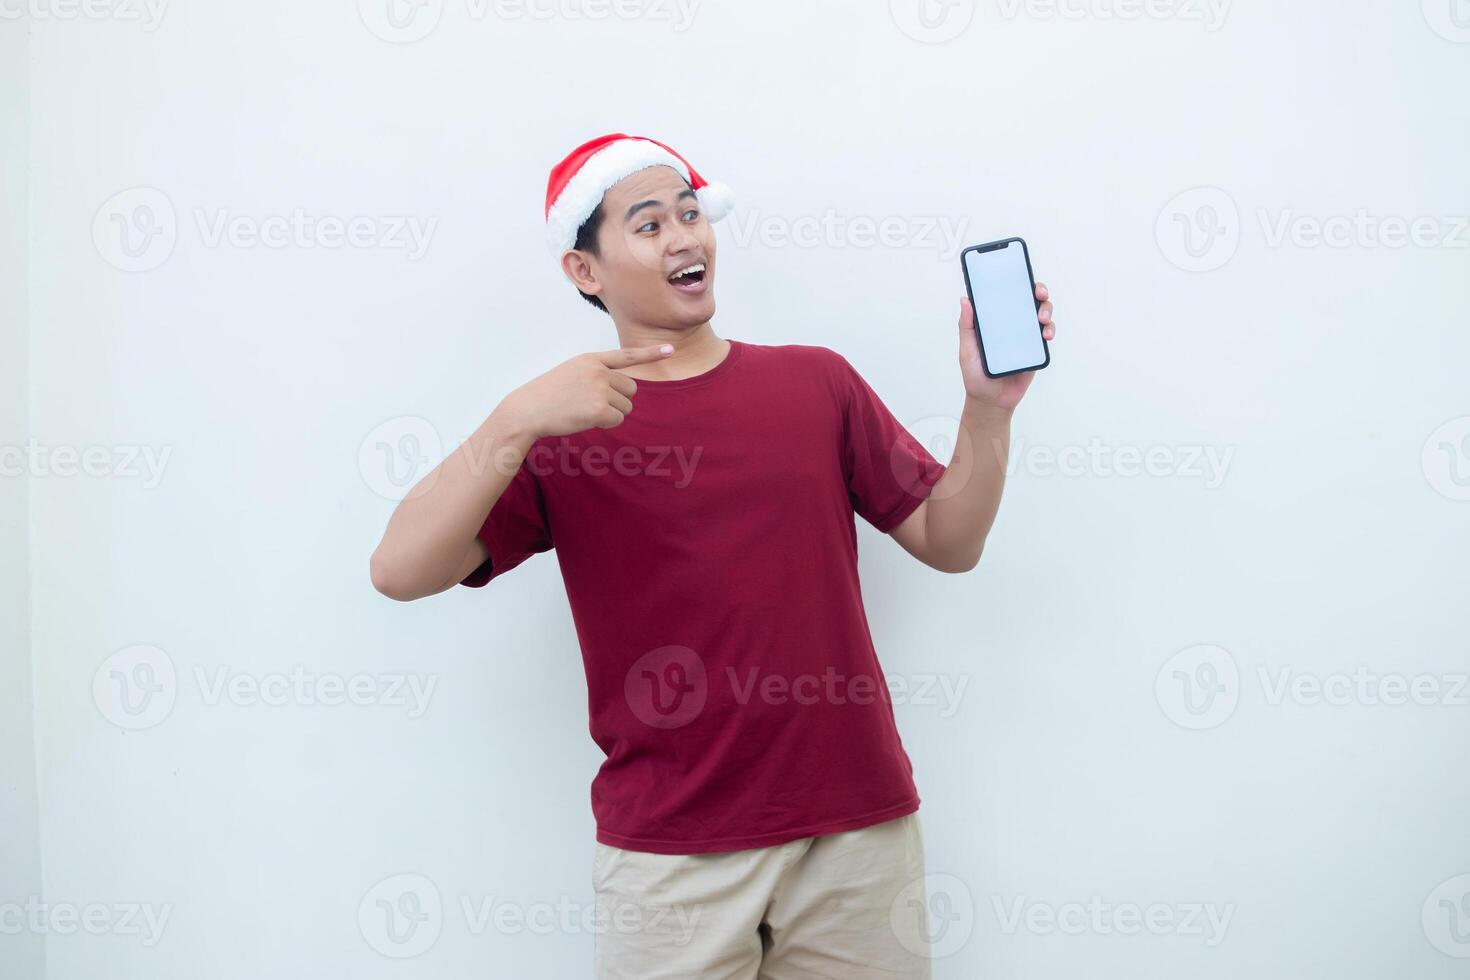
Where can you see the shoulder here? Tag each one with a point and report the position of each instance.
(806, 358)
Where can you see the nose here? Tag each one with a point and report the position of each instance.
(682, 239)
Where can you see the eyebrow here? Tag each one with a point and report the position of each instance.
(686, 192)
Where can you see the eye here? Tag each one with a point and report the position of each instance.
(651, 224)
(691, 215)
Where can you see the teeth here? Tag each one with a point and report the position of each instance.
(696, 267)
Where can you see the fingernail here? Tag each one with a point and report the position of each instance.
(666, 348)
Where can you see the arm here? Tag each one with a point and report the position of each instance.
(948, 530)
(431, 541)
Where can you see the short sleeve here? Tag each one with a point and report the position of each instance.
(889, 472)
(515, 529)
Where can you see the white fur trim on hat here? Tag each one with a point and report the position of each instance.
(605, 168)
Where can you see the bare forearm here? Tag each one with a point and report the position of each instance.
(962, 507)
(434, 526)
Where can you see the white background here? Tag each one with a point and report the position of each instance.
(1075, 768)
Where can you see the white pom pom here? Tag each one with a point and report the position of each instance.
(716, 198)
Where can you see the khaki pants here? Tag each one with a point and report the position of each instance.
(846, 906)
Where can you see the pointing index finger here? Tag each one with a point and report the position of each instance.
(629, 356)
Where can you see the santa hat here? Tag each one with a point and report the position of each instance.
(577, 183)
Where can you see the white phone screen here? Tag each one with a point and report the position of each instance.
(1005, 309)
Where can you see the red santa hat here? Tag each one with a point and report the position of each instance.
(577, 184)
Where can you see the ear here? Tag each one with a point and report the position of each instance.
(578, 268)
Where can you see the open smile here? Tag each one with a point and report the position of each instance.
(690, 280)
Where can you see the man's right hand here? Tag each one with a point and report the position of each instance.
(588, 391)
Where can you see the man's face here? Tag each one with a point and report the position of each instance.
(652, 228)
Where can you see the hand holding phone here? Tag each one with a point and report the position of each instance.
(1002, 292)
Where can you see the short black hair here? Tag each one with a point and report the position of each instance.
(587, 242)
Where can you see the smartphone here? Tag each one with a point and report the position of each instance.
(1003, 294)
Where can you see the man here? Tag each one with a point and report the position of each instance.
(756, 813)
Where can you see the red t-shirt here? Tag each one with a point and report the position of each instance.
(709, 553)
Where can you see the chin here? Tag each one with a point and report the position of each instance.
(693, 314)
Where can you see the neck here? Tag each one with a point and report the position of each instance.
(696, 350)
